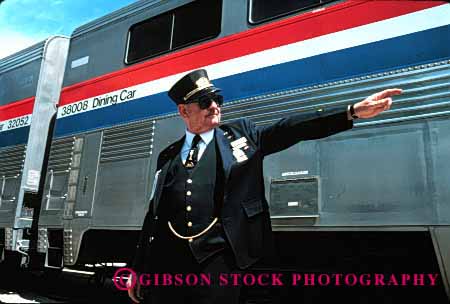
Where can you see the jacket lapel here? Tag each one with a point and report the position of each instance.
(225, 152)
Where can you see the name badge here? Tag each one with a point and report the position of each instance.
(238, 142)
(238, 145)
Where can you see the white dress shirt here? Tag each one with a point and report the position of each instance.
(207, 137)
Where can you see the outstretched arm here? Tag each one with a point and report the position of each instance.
(306, 126)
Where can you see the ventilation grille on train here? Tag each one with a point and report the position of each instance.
(426, 95)
(61, 154)
(12, 160)
(127, 142)
(22, 57)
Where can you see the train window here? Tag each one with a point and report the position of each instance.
(264, 10)
(150, 38)
(183, 26)
(198, 21)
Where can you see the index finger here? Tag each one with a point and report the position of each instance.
(389, 93)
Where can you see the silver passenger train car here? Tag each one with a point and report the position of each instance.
(376, 196)
(30, 86)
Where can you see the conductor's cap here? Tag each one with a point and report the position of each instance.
(191, 87)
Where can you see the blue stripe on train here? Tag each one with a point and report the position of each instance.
(14, 137)
(412, 49)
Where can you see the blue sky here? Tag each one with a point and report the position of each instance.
(26, 22)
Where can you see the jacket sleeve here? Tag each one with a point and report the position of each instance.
(303, 126)
(143, 241)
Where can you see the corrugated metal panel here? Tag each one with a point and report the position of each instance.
(426, 95)
(12, 160)
(127, 142)
(23, 57)
(61, 154)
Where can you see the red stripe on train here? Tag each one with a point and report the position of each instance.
(17, 109)
(336, 18)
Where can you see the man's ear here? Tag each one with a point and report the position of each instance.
(182, 110)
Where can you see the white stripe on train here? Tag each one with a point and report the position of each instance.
(15, 123)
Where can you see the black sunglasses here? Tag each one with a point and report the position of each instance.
(205, 101)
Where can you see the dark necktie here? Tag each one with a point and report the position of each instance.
(192, 157)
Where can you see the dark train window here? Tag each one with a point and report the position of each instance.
(183, 26)
(264, 10)
(197, 21)
(150, 38)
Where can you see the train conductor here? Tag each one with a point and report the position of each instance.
(208, 213)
